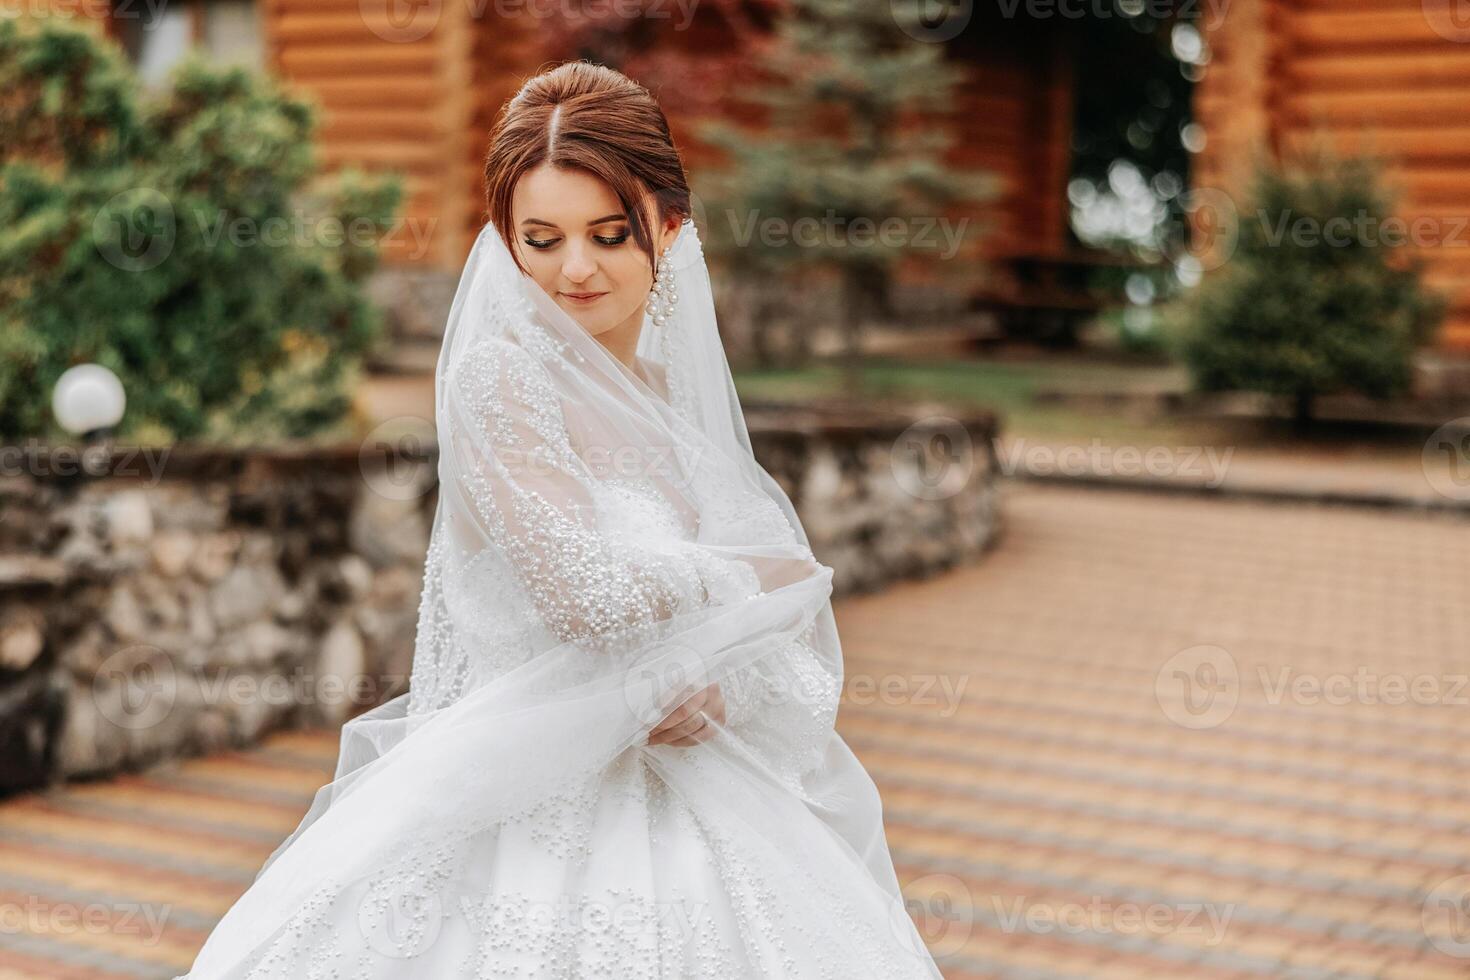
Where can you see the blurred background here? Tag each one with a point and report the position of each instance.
(1116, 354)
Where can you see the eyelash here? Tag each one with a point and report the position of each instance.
(608, 241)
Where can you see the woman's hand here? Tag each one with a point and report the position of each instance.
(689, 723)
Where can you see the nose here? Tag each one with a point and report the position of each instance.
(579, 265)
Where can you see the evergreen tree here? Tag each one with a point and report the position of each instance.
(185, 244)
(847, 131)
(1320, 295)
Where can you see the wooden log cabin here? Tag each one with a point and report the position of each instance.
(1389, 77)
(413, 86)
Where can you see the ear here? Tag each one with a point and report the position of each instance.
(668, 232)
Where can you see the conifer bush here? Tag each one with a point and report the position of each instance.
(1319, 292)
(185, 241)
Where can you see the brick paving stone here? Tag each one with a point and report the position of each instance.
(1309, 814)
(1036, 741)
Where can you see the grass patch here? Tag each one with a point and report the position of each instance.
(1008, 388)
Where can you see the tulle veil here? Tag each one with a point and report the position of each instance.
(604, 543)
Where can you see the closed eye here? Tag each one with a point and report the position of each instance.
(610, 241)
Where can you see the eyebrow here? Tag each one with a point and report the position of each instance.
(600, 221)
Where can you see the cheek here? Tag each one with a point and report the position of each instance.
(544, 269)
(631, 277)
(632, 290)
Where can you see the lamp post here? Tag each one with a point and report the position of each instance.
(88, 401)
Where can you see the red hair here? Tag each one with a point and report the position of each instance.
(592, 118)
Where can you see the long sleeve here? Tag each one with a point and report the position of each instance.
(532, 496)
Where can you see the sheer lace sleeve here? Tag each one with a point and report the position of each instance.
(532, 495)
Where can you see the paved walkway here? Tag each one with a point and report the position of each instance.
(1405, 477)
(1150, 736)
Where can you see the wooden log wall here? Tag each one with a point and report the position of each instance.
(415, 89)
(392, 86)
(1387, 77)
(1014, 119)
(503, 52)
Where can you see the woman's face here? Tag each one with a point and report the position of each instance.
(573, 236)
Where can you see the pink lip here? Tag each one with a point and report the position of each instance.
(583, 297)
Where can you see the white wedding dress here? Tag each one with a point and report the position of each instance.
(506, 819)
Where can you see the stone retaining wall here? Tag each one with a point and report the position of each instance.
(155, 606)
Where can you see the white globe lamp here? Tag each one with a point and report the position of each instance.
(88, 400)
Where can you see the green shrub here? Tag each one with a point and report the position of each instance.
(1320, 295)
(187, 243)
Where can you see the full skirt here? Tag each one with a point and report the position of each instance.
(666, 863)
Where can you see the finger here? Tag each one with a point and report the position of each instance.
(704, 732)
(668, 732)
(668, 738)
(715, 706)
(687, 727)
(684, 712)
(674, 718)
(677, 699)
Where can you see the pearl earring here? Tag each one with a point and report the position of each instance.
(663, 295)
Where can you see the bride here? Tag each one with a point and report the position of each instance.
(617, 756)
